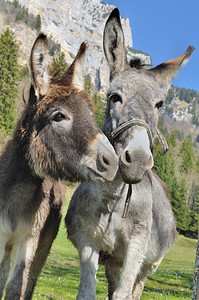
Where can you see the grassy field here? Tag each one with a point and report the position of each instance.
(60, 276)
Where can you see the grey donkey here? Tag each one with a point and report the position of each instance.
(56, 139)
(128, 223)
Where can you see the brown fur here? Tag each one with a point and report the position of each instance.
(55, 139)
(62, 93)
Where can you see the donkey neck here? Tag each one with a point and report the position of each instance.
(14, 164)
(116, 189)
(18, 185)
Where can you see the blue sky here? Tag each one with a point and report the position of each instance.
(164, 30)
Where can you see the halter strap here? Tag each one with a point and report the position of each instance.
(128, 124)
(162, 141)
(127, 201)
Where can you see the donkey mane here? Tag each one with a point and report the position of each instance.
(136, 63)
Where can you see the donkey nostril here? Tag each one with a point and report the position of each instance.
(105, 160)
(128, 159)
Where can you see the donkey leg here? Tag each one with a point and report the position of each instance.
(4, 268)
(147, 270)
(132, 263)
(30, 253)
(88, 268)
(44, 243)
(34, 270)
(113, 278)
(15, 279)
(138, 289)
(47, 221)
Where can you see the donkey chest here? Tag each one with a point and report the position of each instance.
(110, 232)
(14, 229)
(107, 231)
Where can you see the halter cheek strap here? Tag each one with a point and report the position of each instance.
(162, 141)
(123, 127)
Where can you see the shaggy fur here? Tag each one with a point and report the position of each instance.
(55, 139)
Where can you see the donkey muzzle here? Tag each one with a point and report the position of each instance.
(136, 159)
(101, 162)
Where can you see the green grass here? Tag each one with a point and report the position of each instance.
(60, 276)
(173, 279)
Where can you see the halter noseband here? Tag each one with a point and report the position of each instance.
(123, 127)
(128, 124)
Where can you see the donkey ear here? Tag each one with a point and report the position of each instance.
(114, 43)
(76, 70)
(40, 65)
(168, 70)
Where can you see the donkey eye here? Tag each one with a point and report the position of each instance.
(159, 104)
(115, 98)
(59, 117)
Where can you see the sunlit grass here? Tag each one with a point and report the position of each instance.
(60, 276)
(174, 277)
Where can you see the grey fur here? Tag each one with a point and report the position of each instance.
(94, 220)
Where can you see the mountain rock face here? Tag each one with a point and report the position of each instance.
(178, 111)
(70, 22)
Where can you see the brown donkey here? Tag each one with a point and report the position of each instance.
(55, 139)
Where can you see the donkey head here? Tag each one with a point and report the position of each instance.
(58, 132)
(134, 98)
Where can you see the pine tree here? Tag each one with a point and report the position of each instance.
(59, 66)
(87, 84)
(194, 214)
(178, 197)
(187, 155)
(16, 4)
(175, 197)
(99, 109)
(183, 217)
(164, 165)
(170, 95)
(38, 23)
(172, 139)
(8, 81)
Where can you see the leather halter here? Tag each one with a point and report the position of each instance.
(125, 126)
(128, 124)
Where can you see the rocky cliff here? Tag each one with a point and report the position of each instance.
(70, 22)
